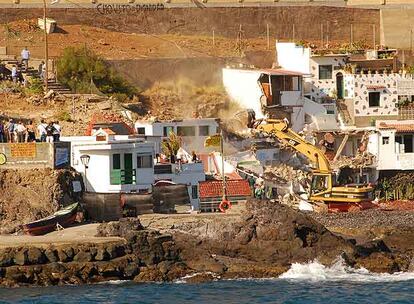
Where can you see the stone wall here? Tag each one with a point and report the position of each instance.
(253, 21)
(35, 155)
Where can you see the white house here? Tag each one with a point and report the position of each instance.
(396, 145)
(127, 164)
(192, 132)
(323, 70)
(116, 163)
(275, 93)
(378, 96)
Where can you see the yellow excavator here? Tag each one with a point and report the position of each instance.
(323, 188)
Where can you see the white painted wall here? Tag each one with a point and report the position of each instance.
(320, 88)
(293, 57)
(190, 143)
(357, 87)
(389, 155)
(242, 86)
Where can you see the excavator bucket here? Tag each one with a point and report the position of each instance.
(247, 118)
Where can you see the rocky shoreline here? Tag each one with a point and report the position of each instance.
(263, 241)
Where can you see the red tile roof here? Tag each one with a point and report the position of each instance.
(210, 189)
(374, 87)
(109, 131)
(401, 128)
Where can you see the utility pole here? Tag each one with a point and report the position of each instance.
(374, 38)
(352, 35)
(321, 34)
(411, 42)
(293, 32)
(268, 35)
(46, 47)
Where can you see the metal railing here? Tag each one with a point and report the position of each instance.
(123, 177)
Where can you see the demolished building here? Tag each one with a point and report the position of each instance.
(372, 101)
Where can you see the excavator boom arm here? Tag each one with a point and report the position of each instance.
(280, 129)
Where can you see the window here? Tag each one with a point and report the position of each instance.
(194, 192)
(203, 131)
(144, 161)
(325, 71)
(167, 131)
(141, 131)
(186, 131)
(385, 140)
(116, 161)
(374, 99)
(408, 144)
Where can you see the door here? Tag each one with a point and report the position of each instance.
(277, 83)
(340, 85)
(408, 144)
(128, 169)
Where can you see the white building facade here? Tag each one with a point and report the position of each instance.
(192, 132)
(272, 93)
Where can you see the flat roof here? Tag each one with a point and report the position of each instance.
(280, 72)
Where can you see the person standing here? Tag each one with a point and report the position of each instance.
(56, 132)
(259, 187)
(2, 132)
(41, 130)
(10, 131)
(21, 132)
(40, 70)
(49, 132)
(14, 74)
(25, 58)
(31, 135)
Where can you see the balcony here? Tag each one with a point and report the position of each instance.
(123, 177)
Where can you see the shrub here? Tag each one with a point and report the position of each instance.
(85, 72)
(64, 116)
(35, 86)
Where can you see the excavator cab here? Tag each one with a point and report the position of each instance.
(321, 184)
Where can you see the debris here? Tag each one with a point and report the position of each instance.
(49, 94)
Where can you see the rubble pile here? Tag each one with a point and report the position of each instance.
(360, 160)
(282, 173)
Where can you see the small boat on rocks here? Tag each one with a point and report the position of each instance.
(63, 217)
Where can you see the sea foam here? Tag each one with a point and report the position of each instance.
(339, 271)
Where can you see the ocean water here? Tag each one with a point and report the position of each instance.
(307, 283)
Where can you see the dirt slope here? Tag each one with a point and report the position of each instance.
(28, 195)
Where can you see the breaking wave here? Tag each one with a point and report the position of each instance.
(339, 271)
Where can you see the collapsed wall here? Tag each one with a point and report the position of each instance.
(28, 195)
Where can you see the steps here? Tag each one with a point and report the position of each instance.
(32, 73)
(58, 87)
(343, 112)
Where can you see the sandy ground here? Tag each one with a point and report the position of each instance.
(116, 45)
(78, 234)
(172, 221)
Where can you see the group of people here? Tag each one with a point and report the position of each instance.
(25, 55)
(18, 132)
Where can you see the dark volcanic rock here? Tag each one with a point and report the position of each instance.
(263, 242)
(268, 234)
(120, 228)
